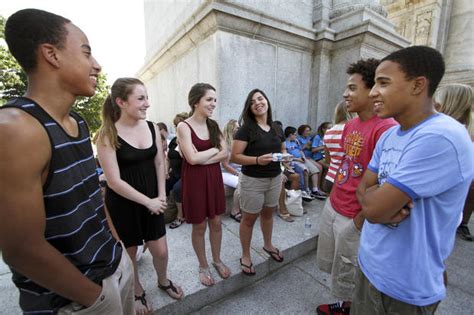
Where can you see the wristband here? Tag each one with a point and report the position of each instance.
(256, 160)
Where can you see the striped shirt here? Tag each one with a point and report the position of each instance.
(76, 224)
(332, 140)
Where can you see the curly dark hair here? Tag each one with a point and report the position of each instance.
(418, 61)
(26, 29)
(366, 68)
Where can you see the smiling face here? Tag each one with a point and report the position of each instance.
(206, 104)
(392, 91)
(356, 94)
(259, 105)
(136, 104)
(78, 68)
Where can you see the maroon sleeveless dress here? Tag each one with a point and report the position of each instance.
(202, 186)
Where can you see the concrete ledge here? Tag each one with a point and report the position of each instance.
(183, 265)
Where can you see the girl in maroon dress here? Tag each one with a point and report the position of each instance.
(203, 148)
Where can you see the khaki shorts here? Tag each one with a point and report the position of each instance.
(256, 193)
(117, 296)
(338, 246)
(368, 300)
(308, 166)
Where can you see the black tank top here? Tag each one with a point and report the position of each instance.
(76, 224)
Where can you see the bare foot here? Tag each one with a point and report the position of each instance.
(142, 306)
(172, 290)
(205, 277)
(222, 269)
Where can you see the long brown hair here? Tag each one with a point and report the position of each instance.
(121, 88)
(195, 94)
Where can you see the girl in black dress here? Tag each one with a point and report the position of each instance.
(129, 150)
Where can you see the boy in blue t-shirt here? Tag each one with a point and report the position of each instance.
(413, 192)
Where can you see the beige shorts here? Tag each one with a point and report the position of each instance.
(308, 166)
(369, 300)
(256, 193)
(116, 296)
(338, 246)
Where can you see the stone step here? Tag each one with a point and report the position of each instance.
(183, 264)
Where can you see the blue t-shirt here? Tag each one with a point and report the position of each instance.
(433, 163)
(302, 140)
(317, 142)
(293, 148)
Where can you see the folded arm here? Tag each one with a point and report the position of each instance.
(187, 149)
(381, 204)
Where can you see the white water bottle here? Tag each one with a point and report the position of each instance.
(307, 226)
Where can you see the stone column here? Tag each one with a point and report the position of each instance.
(458, 53)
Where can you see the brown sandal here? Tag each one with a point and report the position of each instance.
(171, 287)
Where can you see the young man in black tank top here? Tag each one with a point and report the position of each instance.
(53, 229)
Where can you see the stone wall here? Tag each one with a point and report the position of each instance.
(297, 52)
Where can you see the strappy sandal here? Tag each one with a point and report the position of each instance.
(207, 273)
(249, 267)
(275, 255)
(142, 299)
(286, 217)
(171, 287)
(176, 223)
(220, 267)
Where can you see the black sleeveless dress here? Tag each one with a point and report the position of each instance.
(133, 221)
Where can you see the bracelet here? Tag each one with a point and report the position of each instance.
(256, 160)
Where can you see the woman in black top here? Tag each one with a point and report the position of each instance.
(260, 180)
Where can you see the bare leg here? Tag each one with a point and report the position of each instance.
(179, 206)
(306, 179)
(197, 238)
(215, 236)
(246, 229)
(281, 202)
(159, 252)
(266, 224)
(235, 203)
(315, 181)
(139, 308)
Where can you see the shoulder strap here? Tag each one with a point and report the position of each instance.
(152, 129)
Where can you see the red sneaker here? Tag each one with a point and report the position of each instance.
(333, 309)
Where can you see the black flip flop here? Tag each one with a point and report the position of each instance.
(274, 255)
(248, 267)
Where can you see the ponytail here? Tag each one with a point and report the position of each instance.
(107, 131)
(121, 88)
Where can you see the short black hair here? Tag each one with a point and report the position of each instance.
(366, 68)
(289, 130)
(422, 61)
(26, 29)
